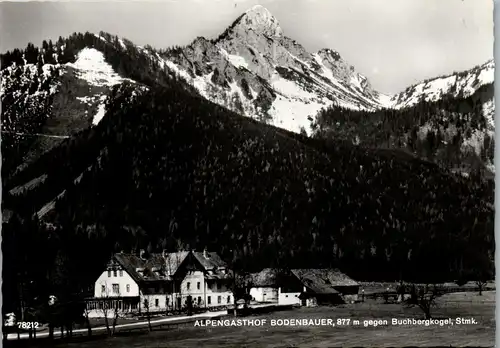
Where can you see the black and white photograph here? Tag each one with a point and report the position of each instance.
(244, 173)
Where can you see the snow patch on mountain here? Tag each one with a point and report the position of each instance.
(122, 44)
(487, 73)
(462, 84)
(172, 66)
(294, 108)
(237, 61)
(289, 88)
(93, 68)
(385, 100)
(101, 111)
(294, 114)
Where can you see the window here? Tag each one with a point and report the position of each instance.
(198, 285)
(199, 300)
(209, 285)
(229, 299)
(103, 288)
(128, 287)
(157, 302)
(209, 300)
(188, 285)
(114, 273)
(219, 299)
(121, 273)
(109, 273)
(116, 288)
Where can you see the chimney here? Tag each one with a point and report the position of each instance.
(205, 254)
(141, 254)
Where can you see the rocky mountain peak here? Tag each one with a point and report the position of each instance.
(343, 70)
(328, 53)
(259, 20)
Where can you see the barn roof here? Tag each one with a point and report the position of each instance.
(323, 281)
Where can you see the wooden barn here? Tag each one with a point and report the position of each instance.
(326, 286)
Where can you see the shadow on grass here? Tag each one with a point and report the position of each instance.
(46, 342)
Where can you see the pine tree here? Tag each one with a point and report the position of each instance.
(31, 54)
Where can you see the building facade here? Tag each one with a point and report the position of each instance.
(306, 287)
(264, 286)
(162, 283)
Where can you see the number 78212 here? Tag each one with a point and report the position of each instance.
(28, 325)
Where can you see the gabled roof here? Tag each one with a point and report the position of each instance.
(131, 263)
(211, 261)
(323, 281)
(161, 267)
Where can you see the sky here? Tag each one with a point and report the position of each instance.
(395, 43)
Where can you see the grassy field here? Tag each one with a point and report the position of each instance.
(467, 305)
(378, 287)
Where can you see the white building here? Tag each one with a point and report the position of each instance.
(304, 287)
(272, 286)
(264, 286)
(162, 282)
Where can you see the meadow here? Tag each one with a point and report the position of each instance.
(456, 305)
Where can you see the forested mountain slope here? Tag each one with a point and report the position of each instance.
(457, 132)
(166, 169)
(51, 93)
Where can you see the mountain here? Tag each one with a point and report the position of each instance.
(53, 93)
(457, 85)
(448, 120)
(255, 70)
(109, 146)
(252, 68)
